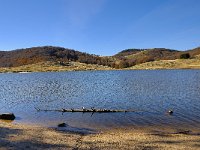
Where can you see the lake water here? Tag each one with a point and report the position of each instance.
(150, 93)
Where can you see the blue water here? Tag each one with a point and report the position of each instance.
(150, 93)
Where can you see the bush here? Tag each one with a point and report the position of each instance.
(185, 56)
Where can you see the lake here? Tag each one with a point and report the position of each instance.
(151, 93)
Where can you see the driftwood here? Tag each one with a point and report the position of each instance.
(89, 110)
(93, 110)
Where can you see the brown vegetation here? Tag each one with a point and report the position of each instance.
(47, 53)
(62, 57)
(132, 57)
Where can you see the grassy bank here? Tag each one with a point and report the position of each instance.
(170, 64)
(15, 136)
(76, 66)
(54, 67)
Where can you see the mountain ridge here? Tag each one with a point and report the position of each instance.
(123, 59)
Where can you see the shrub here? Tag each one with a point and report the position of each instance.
(185, 56)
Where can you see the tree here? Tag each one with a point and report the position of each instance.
(185, 56)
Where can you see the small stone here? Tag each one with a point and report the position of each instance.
(62, 125)
(170, 112)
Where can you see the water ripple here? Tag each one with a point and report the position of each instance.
(151, 93)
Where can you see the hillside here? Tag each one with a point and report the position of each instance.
(49, 58)
(127, 52)
(134, 57)
(159, 53)
(35, 55)
(193, 63)
(146, 55)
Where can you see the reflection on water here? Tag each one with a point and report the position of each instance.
(151, 93)
(7, 121)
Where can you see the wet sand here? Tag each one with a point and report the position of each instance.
(21, 136)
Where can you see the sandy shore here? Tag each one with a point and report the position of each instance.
(18, 136)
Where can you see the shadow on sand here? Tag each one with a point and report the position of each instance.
(6, 141)
(59, 138)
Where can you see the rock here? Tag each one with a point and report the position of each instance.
(7, 116)
(170, 112)
(184, 132)
(62, 125)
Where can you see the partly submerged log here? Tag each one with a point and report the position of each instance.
(89, 110)
(93, 110)
(7, 116)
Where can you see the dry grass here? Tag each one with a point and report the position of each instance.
(171, 64)
(76, 66)
(54, 67)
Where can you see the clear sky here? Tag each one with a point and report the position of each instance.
(102, 27)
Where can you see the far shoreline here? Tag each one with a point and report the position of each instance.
(177, 64)
(159, 69)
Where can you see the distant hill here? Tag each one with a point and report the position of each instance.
(127, 52)
(131, 57)
(156, 53)
(47, 53)
(63, 56)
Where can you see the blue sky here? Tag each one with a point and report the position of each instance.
(102, 27)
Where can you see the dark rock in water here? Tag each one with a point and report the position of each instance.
(62, 125)
(7, 116)
(183, 132)
(170, 112)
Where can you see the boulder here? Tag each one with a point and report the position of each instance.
(170, 112)
(62, 125)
